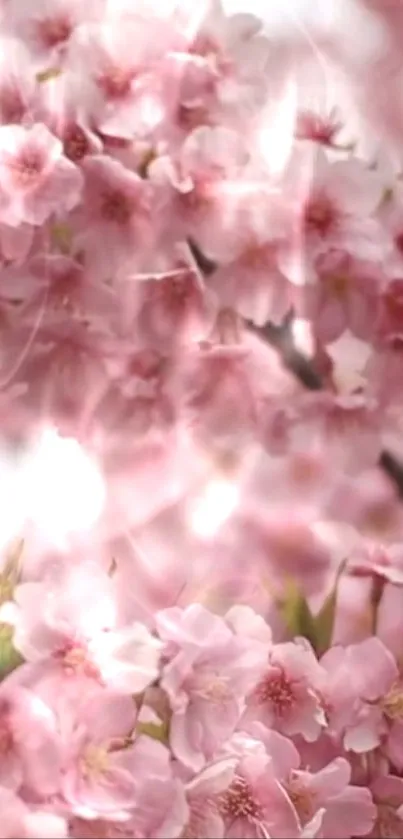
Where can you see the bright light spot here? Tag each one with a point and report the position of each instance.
(303, 337)
(63, 491)
(12, 511)
(213, 507)
(276, 137)
(349, 356)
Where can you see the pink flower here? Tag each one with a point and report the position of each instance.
(365, 697)
(207, 676)
(255, 804)
(18, 819)
(202, 185)
(345, 810)
(36, 180)
(289, 696)
(77, 633)
(62, 284)
(62, 112)
(129, 72)
(230, 54)
(171, 309)
(29, 742)
(161, 810)
(335, 205)
(18, 86)
(48, 28)
(66, 368)
(253, 285)
(217, 398)
(346, 295)
(99, 777)
(203, 794)
(347, 428)
(115, 221)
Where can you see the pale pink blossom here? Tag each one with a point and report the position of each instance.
(202, 183)
(335, 204)
(208, 674)
(253, 284)
(63, 113)
(364, 696)
(66, 368)
(346, 810)
(99, 777)
(345, 295)
(18, 86)
(36, 180)
(61, 285)
(78, 634)
(29, 742)
(114, 225)
(170, 310)
(255, 804)
(204, 793)
(289, 694)
(228, 58)
(48, 27)
(28, 822)
(128, 73)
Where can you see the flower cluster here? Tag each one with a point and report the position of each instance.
(201, 299)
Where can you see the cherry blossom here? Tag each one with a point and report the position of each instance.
(201, 467)
(36, 180)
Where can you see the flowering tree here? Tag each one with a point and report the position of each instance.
(201, 312)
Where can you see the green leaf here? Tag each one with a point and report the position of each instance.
(9, 657)
(324, 620)
(299, 620)
(296, 613)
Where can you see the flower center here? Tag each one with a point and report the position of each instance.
(116, 207)
(312, 127)
(338, 285)
(319, 215)
(27, 167)
(115, 82)
(392, 704)
(255, 257)
(95, 761)
(277, 690)
(238, 801)
(212, 687)
(54, 31)
(75, 659)
(302, 799)
(76, 145)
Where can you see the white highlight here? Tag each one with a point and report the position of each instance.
(55, 486)
(276, 137)
(213, 507)
(303, 338)
(63, 490)
(12, 511)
